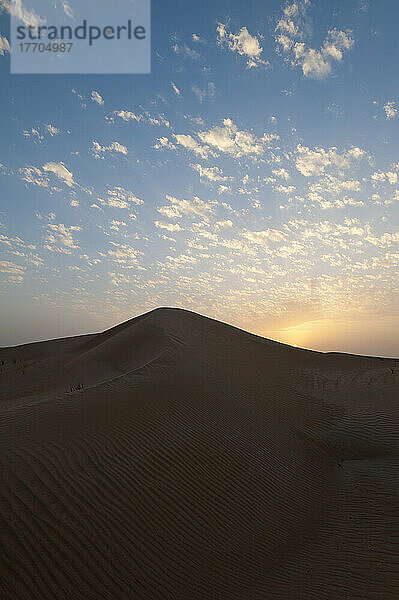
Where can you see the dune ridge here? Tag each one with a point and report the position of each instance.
(176, 457)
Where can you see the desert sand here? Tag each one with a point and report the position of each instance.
(176, 457)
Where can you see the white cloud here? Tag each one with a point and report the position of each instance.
(389, 176)
(17, 9)
(183, 49)
(52, 130)
(146, 117)
(211, 173)
(33, 133)
(390, 110)
(124, 254)
(227, 138)
(38, 133)
(33, 175)
(4, 45)
(60, 170)
(243, 43)
(315, 63)
(314, 162)
(188, 142)
(263, 237)
(168, 226)
(283, 173)
(227, 224)
(163, 142)
(60, 238)
(8, 267)
(119, 197)
(175, 89)
(99, 150)
(207, 92)
(178, 208)
(67, 9)
(96, 97)
(285, 189)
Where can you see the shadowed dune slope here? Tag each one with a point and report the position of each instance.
(176, 457)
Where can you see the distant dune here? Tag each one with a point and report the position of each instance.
(174, 457)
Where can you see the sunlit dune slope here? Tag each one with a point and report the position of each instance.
(176, 457)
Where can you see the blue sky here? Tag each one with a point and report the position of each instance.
(252, 177)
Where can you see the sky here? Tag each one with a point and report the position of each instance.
(251, 177)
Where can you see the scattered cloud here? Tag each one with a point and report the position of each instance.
(177, 208)
(229, 139)
(67, 9)
(96, 97)
(243, 43)
(17, 10)
(266, 236)
(390, 110)
(98, 151)
(210, 173)
(291, 30)
(168, 226)
(60, 238)
(145, 117)
(175, 89)
(314, 162)
(188, 142)
(206, 93)
(118, 197)
(60, 171)
(4, 45)
(183, 50)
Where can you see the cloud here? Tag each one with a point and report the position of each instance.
(178, 208)
(4, 45)
(163, 142)
(243, 43)
(146, 117)
(168, 226)
(263, 237)
(38, 133)
(52, 130)
(315, 63)
(11, 268)
(227, 224)
(175, 89)
(60, 170)
(119, 197)
(17, 10)
(390, 110)
(211, 173)
(99, 150)
(67, 9)
(33, 133)
(33, 175)
(96, 97)
(183, 50)
(285, 189)
(124, 254)
(314, 162)
(208, 92)
(188, 142)
(283, 173)
(60, 238)
(230, 140)
(389, 176)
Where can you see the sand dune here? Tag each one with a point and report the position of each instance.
(176, 457)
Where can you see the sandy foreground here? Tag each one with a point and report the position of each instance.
(176, 457)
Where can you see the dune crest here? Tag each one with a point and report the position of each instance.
(176, 457)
